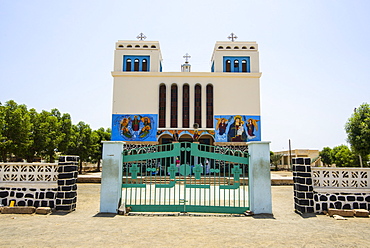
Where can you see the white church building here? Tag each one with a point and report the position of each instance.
(220, 107)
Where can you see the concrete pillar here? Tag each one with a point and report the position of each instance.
(259, 177)
(111, 179)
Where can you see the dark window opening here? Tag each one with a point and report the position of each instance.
(236, 66)
(174, 106)
(136, 65)
(162, 106)
(145, 65)
(228, 66)
(185, 106)
(209, 92)
(128, 65)
(198, 105)
(244, 66)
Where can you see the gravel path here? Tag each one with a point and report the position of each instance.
(86, 228)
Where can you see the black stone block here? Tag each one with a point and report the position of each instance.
(21, 203)
(60, 195)
(309, 195)
(301, 180)
(302, 187)
(307, 161)
(298, 161)
(74, 187)
(310, 210)
(318, 206)
(356, 205)
(29, 196)
(4, 194)
(51, 204)
(66, 188)
(19, 195)
(316, 197)
(323, 198)
(41, 195)
(70, 194)
(67, 201)
(42, 189)
(75, 174)
(304, 174)
(341, 198)
(360, 198)
(309, 181)
(12, 193)
(63, 208)
(24, 189)
(299, 168)
(58, 201)
(338, 205)
(324, 206)
(4, 202)
(30, 203)
(70, 182)
(333, 198)
(44, 203)
(74, 200)
(36, 204)
(303, 202)
(351, 198)
(61, 182)
(331, 205)
(70, 168)
(346, 206)
(65, 175)
(50, 195)
(33, 189)
(367, 199)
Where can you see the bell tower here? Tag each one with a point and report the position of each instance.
(235, 56)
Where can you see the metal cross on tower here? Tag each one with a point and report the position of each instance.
(141, 36)
(232, 37)
(187, 57)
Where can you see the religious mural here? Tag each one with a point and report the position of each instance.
(195, 134)
(237, 128)
(141, 127)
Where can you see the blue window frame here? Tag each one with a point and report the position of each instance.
(136, 63)
(236, 64)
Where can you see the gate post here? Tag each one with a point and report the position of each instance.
(111, 179)
(259, 177)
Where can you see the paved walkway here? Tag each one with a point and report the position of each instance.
(85, 227)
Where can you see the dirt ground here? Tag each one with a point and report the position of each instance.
(86, 228)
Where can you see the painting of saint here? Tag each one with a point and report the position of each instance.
(236, 131)
(135, 124)
(251, 127)
(146, 128)
(221, 125)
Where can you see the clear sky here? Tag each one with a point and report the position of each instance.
(314, 56)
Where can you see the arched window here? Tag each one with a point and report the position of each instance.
(228, 66)
(174, 106)
(136, 65)
(128, 65)
(145, 46)
(198, 105)
(121, 46)
(185, 106)
(252, 47)
(236, 47)
(220, 47)
(145, 65)
(236, 65)
(137, 46)
(244, 66)
(153, 46)
(209, 108)
(162, 106)
(244, 47)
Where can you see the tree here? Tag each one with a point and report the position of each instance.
(275, 159)
(358, 130)
(326, 156)
(342, 156)
(16, 130)
(102, 135)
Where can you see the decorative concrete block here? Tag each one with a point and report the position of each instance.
(361, 213)
(43, 210)
(341, 212)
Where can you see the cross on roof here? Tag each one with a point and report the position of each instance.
(187, 57)
(141, 36)
(232, 37)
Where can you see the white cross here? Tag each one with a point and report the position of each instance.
(187, 57)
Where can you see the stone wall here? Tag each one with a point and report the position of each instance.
(318, 189)
(40, 184)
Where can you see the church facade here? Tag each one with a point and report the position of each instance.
(220, 107)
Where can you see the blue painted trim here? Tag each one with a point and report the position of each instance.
(213, 67)
(239, 59)
(133, 57)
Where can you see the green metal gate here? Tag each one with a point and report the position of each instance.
(185, 177)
